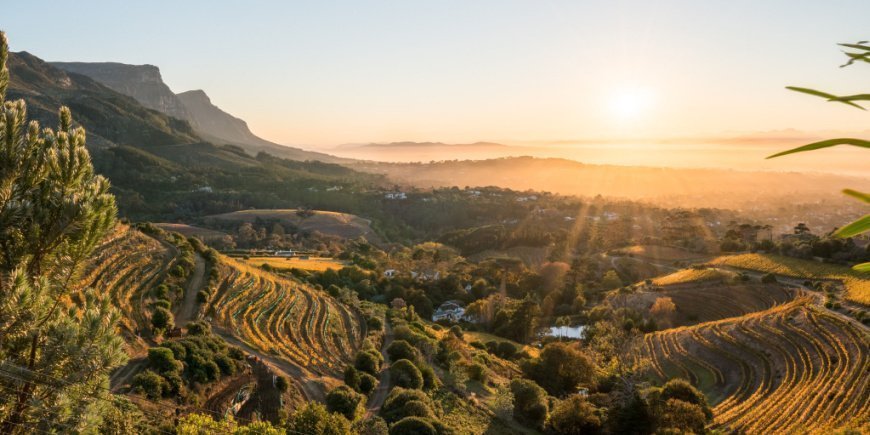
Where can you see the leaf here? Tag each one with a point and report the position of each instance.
(858, 97)
(825, 95)
(863, 267)
(856, 194)
(824, 144)
(860, 226)
(859, 46)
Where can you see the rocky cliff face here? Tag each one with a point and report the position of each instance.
(142, 82)
(211, 120)
(145, 85)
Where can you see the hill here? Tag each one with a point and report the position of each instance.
(342, 225)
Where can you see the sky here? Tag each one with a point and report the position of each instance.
(324, 73)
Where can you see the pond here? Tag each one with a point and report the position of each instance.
(575, 332)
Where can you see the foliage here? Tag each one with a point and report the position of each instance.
(530, 402)
(401, 349)
(313, 418)
(403, 402)
(860, 52)
(574, 416)
(368, 361)
(561, 369)
(405, 374)
(54, 211)
(345, 401)
(413, 426)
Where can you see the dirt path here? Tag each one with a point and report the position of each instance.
(311, 389)
(380, 394)
(189, 307)
(124, 375)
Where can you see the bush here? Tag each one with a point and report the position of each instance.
(530, 402)
(367, 383)
(406, 375)
(430, 381)
(368, 361)
(371, 426)
(401, 349)
(351, 377)
(344, 401)
(413, 426)
(574, 415)
(151, 384)
(477, 372)
(681, 389)
(561, 369)
(394, 407)
(163, 360)
(161, 319)
(506, 350)
(202, 297)
(768, 278)
(282, 384)
(313, 418)
(374, 323)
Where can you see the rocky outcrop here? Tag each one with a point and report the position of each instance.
(142, 82)
(208, 118)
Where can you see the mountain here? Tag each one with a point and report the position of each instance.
(159, 166)
(145, 84)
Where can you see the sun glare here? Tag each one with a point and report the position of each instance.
(630, 103)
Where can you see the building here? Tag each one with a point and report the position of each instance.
(389, 273)
(395, 195)
(452, 311)
(284, 253)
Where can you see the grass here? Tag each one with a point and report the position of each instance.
(691, 275)
(316, 264)
(857, 284)
(191, 231)
(662, 253)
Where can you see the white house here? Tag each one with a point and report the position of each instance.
(283, 253)
(450, 310)
(389, 273)
(395, 195)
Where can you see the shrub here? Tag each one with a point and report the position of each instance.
(198, 328)
(313, 418)
(368, 361)
(352, 377)
(401, 349)
(161, 319)
(374, 323)
(768, 278)
(344, 401)
(477, 372)
(394, 407)
(506, 350)
(282, 384)
(560, 369)
(163, 360)
(406, 375)
(367, 383)
(430, 381)
(530, 402)
(682, 416)
(574, 415)
(151, 384)
(413, 426)
(371, 426)
(681, 389)
(202, 297)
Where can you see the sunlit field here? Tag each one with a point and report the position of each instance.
(317, 264)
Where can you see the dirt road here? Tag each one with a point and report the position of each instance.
(380, 395)
(189, 307)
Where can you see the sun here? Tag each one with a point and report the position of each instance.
(630, 103)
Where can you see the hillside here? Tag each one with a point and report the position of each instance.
(342, 225)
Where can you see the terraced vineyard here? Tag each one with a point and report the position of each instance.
(285, 318)
(857, 284)
(127, 265)
(794, 368)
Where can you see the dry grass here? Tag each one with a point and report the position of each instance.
(662, 253)
(327, 222)
(686, 276)
(317, 264)
(191, 231)
(857, 284)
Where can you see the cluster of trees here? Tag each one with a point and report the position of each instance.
(196, 359)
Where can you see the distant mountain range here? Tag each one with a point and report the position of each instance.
(145, 84)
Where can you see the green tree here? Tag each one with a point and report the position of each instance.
(313, 418)
(530, 402)
(574, 416)
(345, 401)
(413, 426)
(53, 212)
(406, 375)
(561, 368)
(401, 349)
(858, 52)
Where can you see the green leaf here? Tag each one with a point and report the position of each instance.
(860, 226)
(856, 194)
(825, 95)
(858, 97)
(856, 46)
(824, 144)
(863, 267)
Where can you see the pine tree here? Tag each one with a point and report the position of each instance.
(57, 343)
